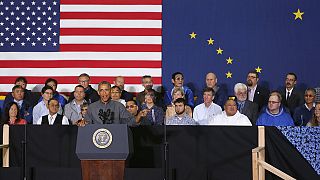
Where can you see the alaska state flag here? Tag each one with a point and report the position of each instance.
(253, 33)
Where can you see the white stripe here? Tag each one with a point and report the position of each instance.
(111, 8)
(110, 23)
(70, 87)
(80, 56)
(72, 71)
(110, 39)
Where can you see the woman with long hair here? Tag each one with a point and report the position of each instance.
(315, 121)
(12, 115)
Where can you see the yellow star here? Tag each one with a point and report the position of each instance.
(298, 14)
(229, 74)
(258, 69)
(219, 51)
(229, 60)
(193, 35)
(210, 41)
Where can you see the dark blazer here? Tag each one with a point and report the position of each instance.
(261, 96)
(295, 100)
(250, 109)
(126, 95)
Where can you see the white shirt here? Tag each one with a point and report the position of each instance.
(236, 120)
(290, 93)
(41, 110)
(52, 118)
(202, 114)
(251, 94)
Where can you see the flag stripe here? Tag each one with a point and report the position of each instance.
(79, 64)
(72, 71)
(80, 55)
(110, 40)
(110, 32)
(135, 88)
(111, 47)
(123, 2)
(110, 8)
(110, 23)
(111, 15)
(74, 79)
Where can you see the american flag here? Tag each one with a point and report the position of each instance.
(62, 39)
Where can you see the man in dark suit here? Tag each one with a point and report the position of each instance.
(246, 107)
(256, 93)
(291, 96)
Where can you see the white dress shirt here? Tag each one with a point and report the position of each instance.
(202, 114)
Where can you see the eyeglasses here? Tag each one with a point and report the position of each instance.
(273, 102)
(84, 109)
(251, 77)
(308, 95)
(84, 81)
(131, 106)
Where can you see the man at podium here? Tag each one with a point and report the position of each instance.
(106, 111)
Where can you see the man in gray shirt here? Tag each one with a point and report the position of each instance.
(106, 111)
(180, 118)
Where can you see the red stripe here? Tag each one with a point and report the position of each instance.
(111, 15)
(80, 64)
(74, 79)
(113, 2)
(111, 47)
(111, 31)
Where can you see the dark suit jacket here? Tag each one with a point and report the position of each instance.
(250, 109)
(296, 99)
(126, 95)
(261, 96)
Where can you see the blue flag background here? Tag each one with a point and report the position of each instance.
(252, 32)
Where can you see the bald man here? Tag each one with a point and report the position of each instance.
(220, 93)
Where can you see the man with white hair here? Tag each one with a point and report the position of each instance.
(246, 107)
(230, 116)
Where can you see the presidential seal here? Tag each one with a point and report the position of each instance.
(102, 138)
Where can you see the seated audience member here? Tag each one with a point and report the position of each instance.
(170, 112)
(91, 95)
(220, 93)
(115, 95)
(119, 81)
(230, 116)
(274, 114)
(25, 107)
(154, 114)
(256, 93)
(303, 113)
(54, 84)
(177, 81)
(31, 97)
(315, 121)
(72, 110)
(41, 108)
(291, 96)
(53, 118)
(147, 83)
(12, 115)
(205, 111)
(180, 117)
(106, 111)
(133, 108)
(246, 107)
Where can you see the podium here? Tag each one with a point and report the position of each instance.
(103, 150)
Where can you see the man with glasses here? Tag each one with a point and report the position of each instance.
(256, 93)
(91, 95)
(303, 113)
(246, 107)
(291, 96)
(274, 115)
(133, 109)
(177, 81)
(41, 109)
